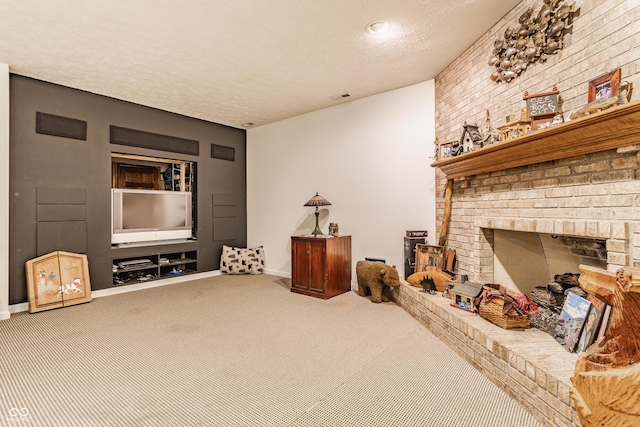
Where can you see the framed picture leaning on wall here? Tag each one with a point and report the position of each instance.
(58, 279)
(429, 257)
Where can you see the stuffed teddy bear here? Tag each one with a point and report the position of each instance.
(376, 279)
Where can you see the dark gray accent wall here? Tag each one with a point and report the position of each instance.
(61, 220)
(60, 188)
(225, 222)
(138, 138)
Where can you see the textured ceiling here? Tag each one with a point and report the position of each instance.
(238, 61)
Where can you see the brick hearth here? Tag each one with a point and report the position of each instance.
(528, 364)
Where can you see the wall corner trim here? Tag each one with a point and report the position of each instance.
(4, 191)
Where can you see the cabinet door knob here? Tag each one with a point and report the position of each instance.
(308, 252)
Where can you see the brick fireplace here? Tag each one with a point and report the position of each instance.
(588, 194)
(594, 196)
(581, 184)
(585, 207)
(588, 197)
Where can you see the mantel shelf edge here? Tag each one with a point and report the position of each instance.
(606, 130)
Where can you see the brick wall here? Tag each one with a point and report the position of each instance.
(592, 196)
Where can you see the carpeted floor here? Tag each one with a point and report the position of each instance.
(238, 351)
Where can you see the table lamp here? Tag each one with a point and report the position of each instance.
(317, 201)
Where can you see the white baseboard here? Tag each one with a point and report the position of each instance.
(286, 274)
(17, 308)
(152, 284)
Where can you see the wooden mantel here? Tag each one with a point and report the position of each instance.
(606, 130)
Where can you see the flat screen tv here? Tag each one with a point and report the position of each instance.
(150, 215)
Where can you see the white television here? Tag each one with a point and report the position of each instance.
(150, 215)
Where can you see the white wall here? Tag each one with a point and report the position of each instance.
(4, 191)
(370, 158)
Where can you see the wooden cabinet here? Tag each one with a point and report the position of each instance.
(321, 266)
(138, 177)
(151, 173)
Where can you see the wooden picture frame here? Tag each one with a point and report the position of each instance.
(445, 149)
(542, 107)
(58, 279)
(429, 257)
(543, 104)
(605, 86)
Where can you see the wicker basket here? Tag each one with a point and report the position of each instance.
(492, 311)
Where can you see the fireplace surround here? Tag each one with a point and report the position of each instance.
(579, 180)
(585, 191)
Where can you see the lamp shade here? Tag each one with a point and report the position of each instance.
(317, 200)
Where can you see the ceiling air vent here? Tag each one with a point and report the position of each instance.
(339, 97)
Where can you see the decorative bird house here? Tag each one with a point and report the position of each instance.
(463, 294)
(471, 138)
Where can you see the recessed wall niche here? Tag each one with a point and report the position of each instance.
(152, 173)
(51, 124)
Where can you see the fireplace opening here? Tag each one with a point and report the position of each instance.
(523, 261)
(545, 267)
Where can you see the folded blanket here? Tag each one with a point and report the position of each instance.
(522, 303)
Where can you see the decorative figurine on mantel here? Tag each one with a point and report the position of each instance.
(456, 148)
(471, 138)
(490, 135)
(517, 125)
(544, 109)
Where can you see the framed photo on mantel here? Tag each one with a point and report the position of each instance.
(605, 86)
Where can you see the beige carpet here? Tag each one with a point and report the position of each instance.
(238, 351)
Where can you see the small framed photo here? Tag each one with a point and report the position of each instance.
(445, 149)
(429, 257)
(605, 86)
